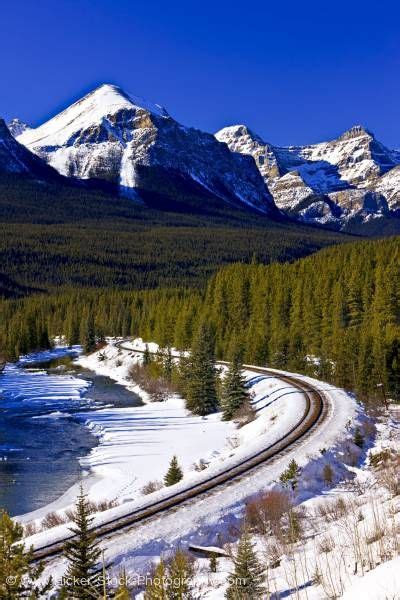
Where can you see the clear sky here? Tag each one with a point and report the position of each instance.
(295, 72)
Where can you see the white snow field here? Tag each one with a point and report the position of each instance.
(136, 444)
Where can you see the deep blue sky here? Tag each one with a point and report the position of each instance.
(295, 72)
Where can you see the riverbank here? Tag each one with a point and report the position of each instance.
(136, 444)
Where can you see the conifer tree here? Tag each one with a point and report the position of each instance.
(201, 386)
(18, 577)
(156, 588)
(146, 356)
(180, 575)
(168, 364)
(122, 592)
(89, 334)
(291, 474)
(246, 581)
(234, 391)
(174, 473)
(82, 579)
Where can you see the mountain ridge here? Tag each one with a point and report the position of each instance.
(339, 183)
(145, 154)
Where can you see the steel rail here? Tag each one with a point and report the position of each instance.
(316, 409)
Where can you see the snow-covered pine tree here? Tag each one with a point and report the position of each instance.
(234, 391)
(246, 582)
(18, 577)
(82, 580)
(174, 473)
(201, 397)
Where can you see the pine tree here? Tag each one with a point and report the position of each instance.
(213, 563)
(122, 592)
(291, 474)
(174, 473)
(89, 334)
(246, 582)
(201, 397)
(168, 364)
(82, 579)
(156, 588)
(180, 575)
(234, 391)
(15, 563)
(146, 356)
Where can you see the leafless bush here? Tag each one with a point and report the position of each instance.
(327, 474)
(375, 536)
(388, 470)
(334, 510)
(273, 555)
(52, 519)
(326, 545)
(201, 465)
(150, 487)
(31, 529)
(244, 415)
(93, 507)
(265, 511)
(156, 386)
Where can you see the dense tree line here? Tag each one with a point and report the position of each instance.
(52, 236)
(334, 314)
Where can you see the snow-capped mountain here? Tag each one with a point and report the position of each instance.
(17, 127)
(18, 160)
(137, 147)
(353, 178)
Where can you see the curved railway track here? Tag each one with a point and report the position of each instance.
(316, 410)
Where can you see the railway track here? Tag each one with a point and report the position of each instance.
(316, 410)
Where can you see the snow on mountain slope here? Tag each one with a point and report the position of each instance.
(334, 182)
(16, 159)
(138, 148)
(17, 127)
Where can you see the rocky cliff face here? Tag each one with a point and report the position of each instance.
(16, 159)
(137, 148)
(331, 183)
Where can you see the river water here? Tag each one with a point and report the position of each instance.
(42, 435)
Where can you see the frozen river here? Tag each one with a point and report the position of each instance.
(42, 434)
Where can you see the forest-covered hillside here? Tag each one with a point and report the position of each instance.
(59, 235)
(335, 314)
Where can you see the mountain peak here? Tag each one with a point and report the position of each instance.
(355, 132)
(17, 127)
(237, 131)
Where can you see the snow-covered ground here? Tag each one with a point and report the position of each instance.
(136, 445)
(350, 541)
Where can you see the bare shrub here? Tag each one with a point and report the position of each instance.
(156, 386)
(201, 465)
(265, 511)
(273, 554)
(326, 545)
(93, 507)
(31, 529)
(327, 474)
(375, 536)
(388, 473)
(150, 487)
(244, 415)
(52, 519)
(334, 510)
